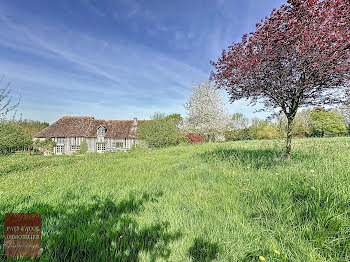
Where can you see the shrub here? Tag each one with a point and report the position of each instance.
(12, 139)
(194, 138)
(263, 130)
(237, 134)
(161, 131)
(44, 147)
(83, 147)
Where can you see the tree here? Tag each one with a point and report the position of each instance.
(6, 103)
(29, 127)
(206, 112)
(12, 139)
(239, 121)
(327, 123)
(161, 131)
(298, 56)
(239, 128)
(176, 117)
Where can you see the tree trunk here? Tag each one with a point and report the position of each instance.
(289, 137)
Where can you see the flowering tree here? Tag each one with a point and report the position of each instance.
(298, 56)
(206, 112)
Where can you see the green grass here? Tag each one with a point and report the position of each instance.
(212, 202)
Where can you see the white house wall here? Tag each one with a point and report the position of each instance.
(91, 141)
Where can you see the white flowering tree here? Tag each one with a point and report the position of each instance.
(206, 112)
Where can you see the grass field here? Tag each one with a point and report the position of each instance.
(219, 201)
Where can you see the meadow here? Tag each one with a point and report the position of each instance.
(231, 201)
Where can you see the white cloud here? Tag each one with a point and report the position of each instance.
(83, 63)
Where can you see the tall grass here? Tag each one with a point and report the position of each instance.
(217, 201)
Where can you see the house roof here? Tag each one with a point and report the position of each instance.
(70, 126)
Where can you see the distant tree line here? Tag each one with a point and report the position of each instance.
(29, 127)
(164, 130)
(18, 135)
(208, 120)
(317, 122)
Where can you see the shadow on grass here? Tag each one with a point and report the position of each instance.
(102, 231)
(254, 256)
(202, 250)
(250, 158)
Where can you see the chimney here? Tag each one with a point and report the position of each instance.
(135, 121)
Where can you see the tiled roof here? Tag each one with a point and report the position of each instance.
(70, 126)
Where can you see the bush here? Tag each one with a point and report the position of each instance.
(12, 139)
(237, 134)
(263, 130)
(44, 147)
(83, 147)
(161, 131)
(194, 138)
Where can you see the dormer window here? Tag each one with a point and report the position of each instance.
(101, 131)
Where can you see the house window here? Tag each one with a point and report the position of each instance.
(101, 131)
(101, 146)
(60, 140)
(117, 144)
(59, 150)
(74, 147)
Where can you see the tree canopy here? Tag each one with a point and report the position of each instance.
(12, 139)
(161, 131)
(325, 123)
(298, 56)
(206, 112)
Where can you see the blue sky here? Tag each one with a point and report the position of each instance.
(117, 59)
